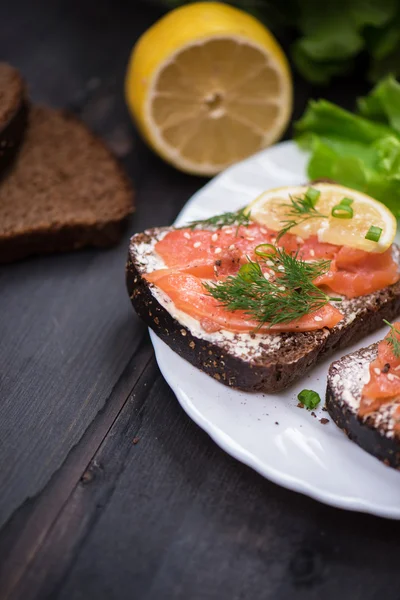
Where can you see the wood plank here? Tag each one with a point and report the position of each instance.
(22, 537)
(67, 335)
(45, 558)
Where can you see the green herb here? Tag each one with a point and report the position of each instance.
(312, 195)
(359, 150)
(309, 398)
(300, 210)
(246, 272)
(374, 233)
(288, 294)
(264, 250)
(342, 211)
(240, 217)
(393, 340)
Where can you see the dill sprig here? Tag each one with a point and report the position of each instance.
(240, 217)
(393, 340)
(287, 295)
(300, 209)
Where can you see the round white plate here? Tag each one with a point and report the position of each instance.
(269, 432)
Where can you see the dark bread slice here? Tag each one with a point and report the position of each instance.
(374, 433)
(65, 190)
(13, 113)
(250, 362)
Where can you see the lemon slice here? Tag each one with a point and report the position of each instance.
(272, 209)
(208, 85)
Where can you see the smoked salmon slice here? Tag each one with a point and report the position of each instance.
(355, 273)
(212, 255)
(189, 295)
(184, 246)
(384, 371)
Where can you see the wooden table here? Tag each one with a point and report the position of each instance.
(108, 490)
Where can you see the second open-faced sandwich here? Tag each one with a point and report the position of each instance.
(363, 397)
(255, 298)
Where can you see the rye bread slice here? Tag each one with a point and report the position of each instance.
(65, 190)
(13, 114)
(374, 433)
(250, 362)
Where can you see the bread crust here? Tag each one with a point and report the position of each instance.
(61, 239)
(273, 372)
(13, 117)
(371, 433)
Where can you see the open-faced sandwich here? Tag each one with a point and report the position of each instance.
(255, 298)
(363, 397)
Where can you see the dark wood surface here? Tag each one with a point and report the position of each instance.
(107, 489)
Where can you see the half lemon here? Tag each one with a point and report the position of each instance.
(208, 85)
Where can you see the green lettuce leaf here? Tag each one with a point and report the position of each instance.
(361, 151)
(383, 103)
(325, 118)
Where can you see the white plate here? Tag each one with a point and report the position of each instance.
(269, 433)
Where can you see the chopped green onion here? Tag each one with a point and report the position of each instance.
(264, 250)
(312, 195)
(309, 398)
(346, 201)
(342, 211)
(248, 270)
(374, 233)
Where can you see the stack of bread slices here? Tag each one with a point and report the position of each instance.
(60, 187)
